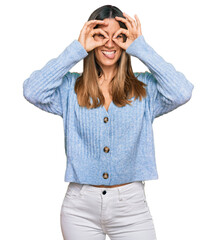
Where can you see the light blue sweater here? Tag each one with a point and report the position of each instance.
(114, 147)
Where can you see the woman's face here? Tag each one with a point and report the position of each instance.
(101, 53)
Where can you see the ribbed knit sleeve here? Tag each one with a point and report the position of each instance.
(44, 87)
(167, 87)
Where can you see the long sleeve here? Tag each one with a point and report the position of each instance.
(44, 87)
(167, 87)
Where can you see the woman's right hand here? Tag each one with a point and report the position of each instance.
(86, 37)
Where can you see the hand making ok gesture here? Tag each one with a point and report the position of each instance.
(132, 32)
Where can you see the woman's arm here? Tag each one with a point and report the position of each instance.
(44, 87)
(167, 87)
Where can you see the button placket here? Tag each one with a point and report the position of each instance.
(106, 148)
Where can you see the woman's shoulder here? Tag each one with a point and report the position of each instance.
(150, 81)
(143, 76)
(70, 78)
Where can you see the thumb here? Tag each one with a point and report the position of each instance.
(116, 41)
(101, 42)
(105, 40)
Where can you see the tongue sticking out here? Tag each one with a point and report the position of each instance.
(111, 56)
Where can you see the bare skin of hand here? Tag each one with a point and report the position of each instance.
(132, 32)
(86, 37)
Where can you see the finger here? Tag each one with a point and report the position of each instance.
(120, 44)
(121, 30)
(99, 30)
(138, 23)
(125, 21)
(131, 20)
(101, 42)
(93, 23)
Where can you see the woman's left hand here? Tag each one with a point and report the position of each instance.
(132, 32)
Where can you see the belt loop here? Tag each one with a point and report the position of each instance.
(143, 190)
(82, 189)
(143, 186)
(119, 195)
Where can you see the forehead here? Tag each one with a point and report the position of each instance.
(112, 26)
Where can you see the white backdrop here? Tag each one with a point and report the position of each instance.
(32, 158)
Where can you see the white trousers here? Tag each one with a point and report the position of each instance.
(91, 213)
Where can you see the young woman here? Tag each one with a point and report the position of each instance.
(108, 113)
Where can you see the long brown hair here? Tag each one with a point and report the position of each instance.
(123, 86)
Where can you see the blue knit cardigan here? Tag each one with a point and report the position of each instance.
(115, 146)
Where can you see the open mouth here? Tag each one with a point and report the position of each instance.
(109, 54)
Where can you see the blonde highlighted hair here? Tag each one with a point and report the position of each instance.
(123, 86)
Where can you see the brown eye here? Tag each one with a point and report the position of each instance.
(100, 35)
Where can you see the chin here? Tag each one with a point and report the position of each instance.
(108, 62)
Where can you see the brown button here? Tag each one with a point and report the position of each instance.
(105, 175)
(106, 149)
(105, 119)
